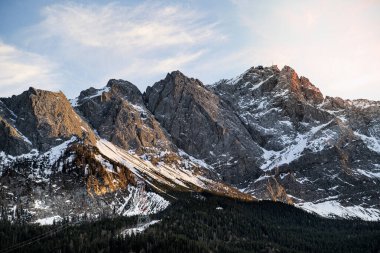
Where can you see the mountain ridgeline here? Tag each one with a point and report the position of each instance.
(266, 134)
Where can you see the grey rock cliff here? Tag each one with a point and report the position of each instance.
(12, 142)
(119, 115)
(204, 125)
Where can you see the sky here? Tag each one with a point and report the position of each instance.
(73, 45)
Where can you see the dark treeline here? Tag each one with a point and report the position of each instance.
(194, 224)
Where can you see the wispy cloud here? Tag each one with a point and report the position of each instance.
(20, 69)
(334, 43)
(139, 43)
(147, 26)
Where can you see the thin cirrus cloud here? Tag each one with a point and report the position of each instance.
(123, 28)
(139, 43)
(20, 69)
(72, 45)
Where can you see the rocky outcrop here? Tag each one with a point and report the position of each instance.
(44, 119)
(300, 87)
(204, 125)
(119, 115)
(12, 142)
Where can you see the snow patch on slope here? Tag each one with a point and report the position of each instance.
(137, 203)
(293, 152)
(105, 163)
(371, 142)
(137, 230)
(194, 160)
(369, 173)
(23, 137)
(138, 108)
(49, 220)
(45, 160)
(334, 208)
(56, 152)
(256, 86)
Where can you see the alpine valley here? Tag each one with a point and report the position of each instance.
(267, 134)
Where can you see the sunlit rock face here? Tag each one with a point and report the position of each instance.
(40, 120)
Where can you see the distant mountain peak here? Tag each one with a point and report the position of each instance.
(301, 86)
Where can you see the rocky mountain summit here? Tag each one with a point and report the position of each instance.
(118, 114)
(204, 125)
(322, 151)
(266, 134)
(38, 119)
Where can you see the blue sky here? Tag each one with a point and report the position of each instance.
(72, 45)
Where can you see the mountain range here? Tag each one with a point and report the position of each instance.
(267, 134)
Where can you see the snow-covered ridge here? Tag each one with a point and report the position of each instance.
(237, 79)
(9, 110)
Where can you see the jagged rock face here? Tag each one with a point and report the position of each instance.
(11, 139)
(299, 86)
(363, 116)
(316, 148)
(273, 134)
(204, 125)
(42, 119)
(119, 115)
